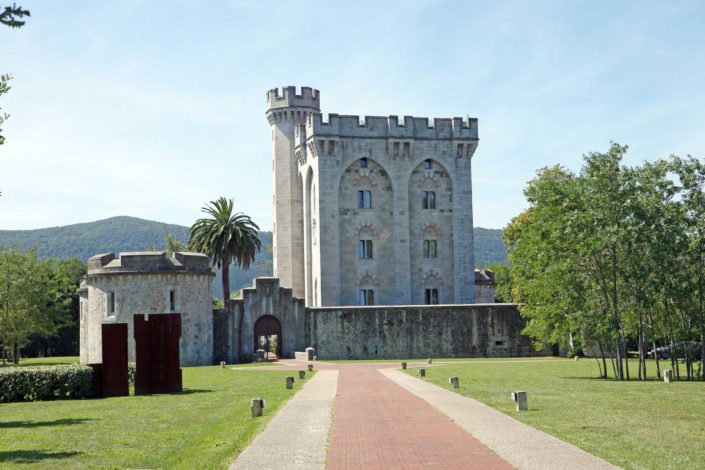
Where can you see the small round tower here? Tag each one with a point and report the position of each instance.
(285, 110)
(118, 286)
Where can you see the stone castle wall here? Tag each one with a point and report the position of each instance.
(317, 220)
(400, 332)
(142, 283)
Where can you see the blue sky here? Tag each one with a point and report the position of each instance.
(151, 109)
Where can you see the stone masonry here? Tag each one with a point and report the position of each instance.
(345, 180)
(117, 287)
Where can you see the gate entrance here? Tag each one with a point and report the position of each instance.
(268, 336)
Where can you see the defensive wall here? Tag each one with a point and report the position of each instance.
(373, 332)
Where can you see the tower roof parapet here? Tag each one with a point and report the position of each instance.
(288, 98)
(148, 262)
(390, 127)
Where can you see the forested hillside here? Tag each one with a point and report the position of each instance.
(132, 234)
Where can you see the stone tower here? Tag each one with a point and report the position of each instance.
(284, 112)
(374, 210)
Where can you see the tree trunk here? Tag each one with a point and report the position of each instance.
(702, 313)
(603, 369)
(225, 270)
(653, 341)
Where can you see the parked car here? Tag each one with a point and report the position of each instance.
(664, 352)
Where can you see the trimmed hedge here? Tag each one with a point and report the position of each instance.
(45, 383)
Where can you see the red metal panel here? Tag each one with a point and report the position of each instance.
(114, 371)
(157, 353)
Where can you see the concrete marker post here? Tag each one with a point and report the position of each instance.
(521, 401)
(403, 365)
(289, 383)
(422, 372)
(256, 406)
(310, 367)
(302, 374)
(667, 376)
(455, 382)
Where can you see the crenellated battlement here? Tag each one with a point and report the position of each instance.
(287, 97)
(390, 127)
(148, 262)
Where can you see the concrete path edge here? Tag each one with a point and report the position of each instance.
(297, 437)
(519, 444)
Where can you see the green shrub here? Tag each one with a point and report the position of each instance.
(45, 383)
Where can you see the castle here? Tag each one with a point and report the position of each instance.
(373, 211)
(372, 246)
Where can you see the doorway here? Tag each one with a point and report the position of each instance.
(268, 336)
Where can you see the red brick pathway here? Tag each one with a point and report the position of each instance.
(379, 425)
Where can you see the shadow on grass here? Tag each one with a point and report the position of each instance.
(32, 456)
(36, 424)
(191, 391)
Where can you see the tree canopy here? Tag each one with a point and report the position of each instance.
(612, 258)
(226, 237)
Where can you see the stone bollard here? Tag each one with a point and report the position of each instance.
(577, 358)
(290, 382)
(403, 365)
(222, 364)
(310, 367)
(667, 376)
(260, 355)
(310, 354)
(521, 400)
(302, 374)
(430, 361)
(454, 381)
(257, 406)
(422, 372)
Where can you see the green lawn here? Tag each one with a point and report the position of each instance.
(631, 424)
(206, 426)
(43, 361)
(441, 360)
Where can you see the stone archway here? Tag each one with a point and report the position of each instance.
(268, 329)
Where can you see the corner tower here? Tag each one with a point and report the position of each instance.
(286, 110)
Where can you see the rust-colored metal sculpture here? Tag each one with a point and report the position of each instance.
(157, 353)
(114, 369)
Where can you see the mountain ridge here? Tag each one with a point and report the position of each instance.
(126, 233)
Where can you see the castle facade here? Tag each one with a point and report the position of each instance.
(373, 211)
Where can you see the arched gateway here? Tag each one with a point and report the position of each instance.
(268, 335)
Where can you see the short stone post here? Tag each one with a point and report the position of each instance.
(257, 406)
(403, 365)
(222, 364)
(667, 376)
(430, 361)
(260, 355)
(454, 382)
(302, 374)
(310, 353)
(422, 372)
(521, 400)
(289, 383)
(310, 367)
(577, 358)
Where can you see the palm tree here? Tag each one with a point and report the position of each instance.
(226, 238)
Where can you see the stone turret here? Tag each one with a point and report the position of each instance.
(286, 109)
(118, 286)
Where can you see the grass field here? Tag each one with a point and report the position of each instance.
(43, 361)
(205, 426)
(632, 424)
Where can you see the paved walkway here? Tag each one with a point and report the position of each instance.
(386, 419)
(521, 445)
(296, 437)
(379, 425)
